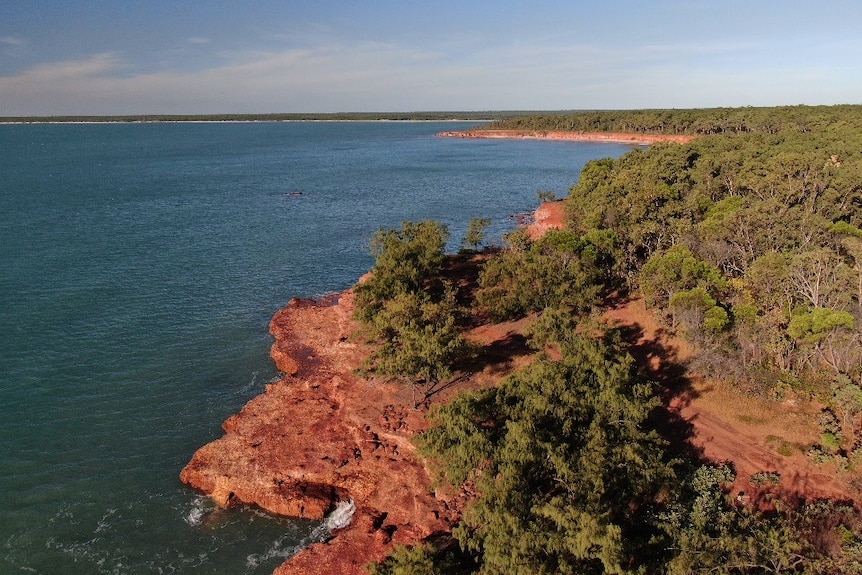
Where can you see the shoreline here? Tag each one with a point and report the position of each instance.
(322, 436)
(608, 137)
(309, 121)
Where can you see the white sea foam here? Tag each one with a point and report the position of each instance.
(198, 511)
(104, 522)
(338, 519)
(251, 384)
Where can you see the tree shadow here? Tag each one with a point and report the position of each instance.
(462, 271)
(502, 350)
(496, 357)
(659, 362)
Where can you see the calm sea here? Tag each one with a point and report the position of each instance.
(139, 267)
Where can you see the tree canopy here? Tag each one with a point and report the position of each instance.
(748, 240)
(406, 306)
(564, 464)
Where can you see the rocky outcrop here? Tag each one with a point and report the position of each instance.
(548, 216)
(321, 435)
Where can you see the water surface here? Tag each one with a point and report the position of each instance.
(139, 267)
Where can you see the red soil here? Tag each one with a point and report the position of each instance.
(322, 435)
(549, 215)
(721, 423)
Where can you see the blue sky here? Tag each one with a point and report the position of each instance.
(143, 57)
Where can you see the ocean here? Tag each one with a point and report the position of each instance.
(140, 265)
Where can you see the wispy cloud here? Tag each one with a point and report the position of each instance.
(198, 40)
(12, 41)
(325, 78)
(690, 49)
(96, 66)
(379, 76)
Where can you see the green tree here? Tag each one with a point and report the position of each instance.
(407, 260)
(847, 399)
(417, 560)
(547, 196)
(827, 336)
(422, 559)
(419, 337)
(678, 270)
(566, 469)
(821, 279)
(767, 281)
(407, 308)
(698, 312)
(559, 270)
(812, 326)
(851, 242)
(713, 534)
(476, 232)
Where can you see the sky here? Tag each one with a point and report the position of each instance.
(116, 57)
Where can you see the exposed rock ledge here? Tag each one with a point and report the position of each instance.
(610, 137)
(320, 435)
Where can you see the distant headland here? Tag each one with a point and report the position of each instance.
(440, 116)
(610, 137)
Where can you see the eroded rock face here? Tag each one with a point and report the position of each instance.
(321, 435)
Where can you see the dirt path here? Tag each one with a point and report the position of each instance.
(716, 421)
(721, 423)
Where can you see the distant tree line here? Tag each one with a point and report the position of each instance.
(771, 120)
(276, 117)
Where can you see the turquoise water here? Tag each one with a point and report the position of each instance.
(139, 267)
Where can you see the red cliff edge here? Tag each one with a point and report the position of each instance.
(322, 435)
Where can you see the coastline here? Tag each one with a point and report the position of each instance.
(609, 137)
(322, 121)
(322, 436)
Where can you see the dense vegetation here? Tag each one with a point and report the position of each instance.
(551, 453)
(696, 122)
(560, 270)
(751, 245)
(748, 242)
(406, 306)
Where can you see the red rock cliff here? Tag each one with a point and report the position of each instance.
(321, 435)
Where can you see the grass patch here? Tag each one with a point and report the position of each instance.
(752, 420)
(782, 446)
